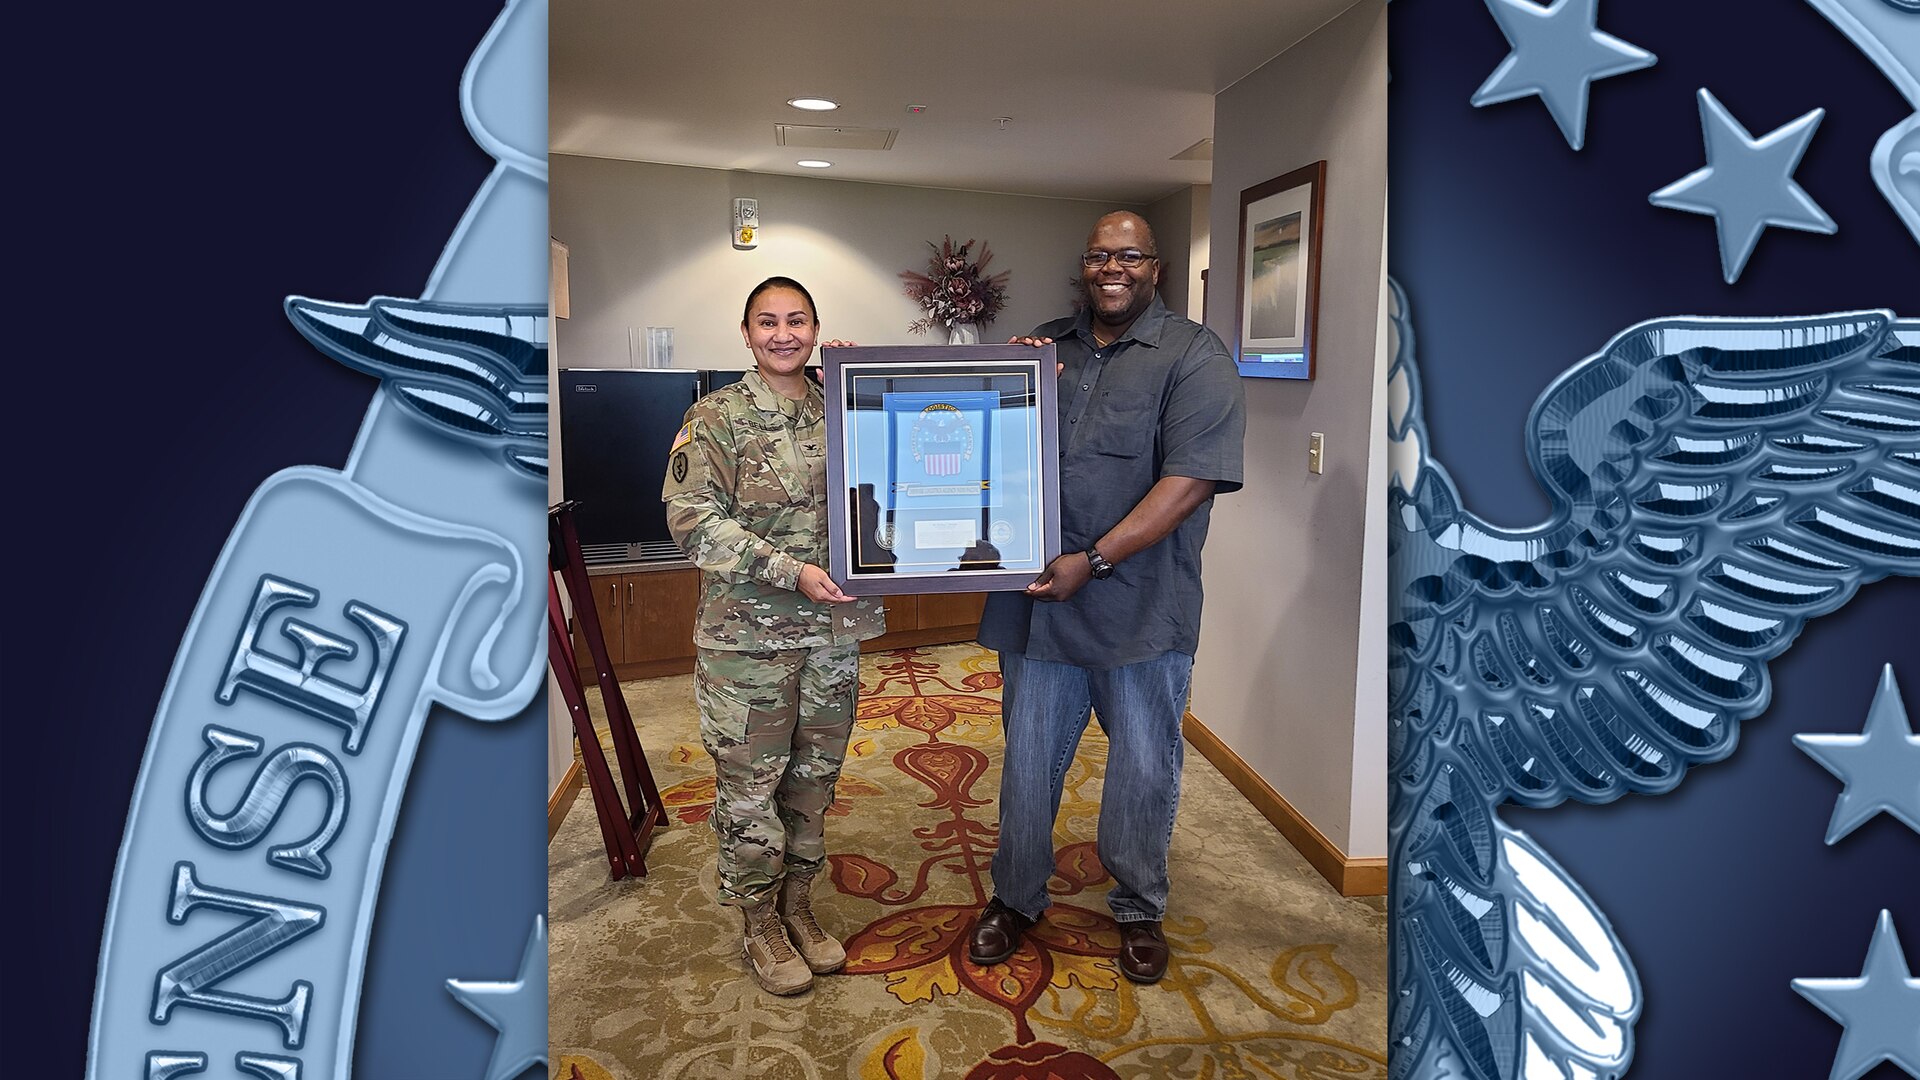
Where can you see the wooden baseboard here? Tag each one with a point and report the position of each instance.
(1352, 877)
(562, 799)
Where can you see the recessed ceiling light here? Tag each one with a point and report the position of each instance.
(811, 163)
(814, 104)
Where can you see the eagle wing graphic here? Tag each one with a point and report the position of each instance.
(476, 373)
(1715, 484)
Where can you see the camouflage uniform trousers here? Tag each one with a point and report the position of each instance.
(776, 723)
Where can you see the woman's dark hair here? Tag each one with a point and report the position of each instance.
(778, 283)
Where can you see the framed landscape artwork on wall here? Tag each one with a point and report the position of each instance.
(1277, 290)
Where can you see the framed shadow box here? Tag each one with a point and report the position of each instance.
(943, 467)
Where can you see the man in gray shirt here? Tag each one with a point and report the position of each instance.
(1152, 421)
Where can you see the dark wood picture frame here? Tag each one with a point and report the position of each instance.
(932, 365)
(1301, 192)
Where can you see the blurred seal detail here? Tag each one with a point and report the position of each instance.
(478, 374)
(345, 606)
(1716, 483)
(1558, 53)
(1888, 33)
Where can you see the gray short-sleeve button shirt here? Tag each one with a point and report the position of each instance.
(1164, 400)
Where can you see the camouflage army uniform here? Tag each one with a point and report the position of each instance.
(776, 673)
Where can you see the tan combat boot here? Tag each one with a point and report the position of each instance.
(775, 964)
(822, 953)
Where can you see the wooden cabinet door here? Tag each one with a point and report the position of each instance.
(660, 618)
(610, 605)
(903, 612)
(952, 609)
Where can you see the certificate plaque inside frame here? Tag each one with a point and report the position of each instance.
(943, 467)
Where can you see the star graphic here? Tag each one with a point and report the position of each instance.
(1880, 766)
(1747, 184)
(517, 1009)
(1878, 1009)
(1556, 55)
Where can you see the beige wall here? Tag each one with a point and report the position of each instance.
(1181, 228)
(649, 247)
(1293, 638)
(1200, 245)
(1172, 221)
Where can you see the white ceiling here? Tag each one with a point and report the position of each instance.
(1102, 96)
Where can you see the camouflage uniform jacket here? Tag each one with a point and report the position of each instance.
(746, 500)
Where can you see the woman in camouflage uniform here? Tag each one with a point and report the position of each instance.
(778, 643)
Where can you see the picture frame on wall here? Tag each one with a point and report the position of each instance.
(1277, 287)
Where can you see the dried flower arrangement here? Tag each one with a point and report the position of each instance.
(954, 290)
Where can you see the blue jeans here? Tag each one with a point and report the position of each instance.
(1044, 708)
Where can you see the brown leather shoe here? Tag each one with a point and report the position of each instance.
(996, 934)
(1143, 951)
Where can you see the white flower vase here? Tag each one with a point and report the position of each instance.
(965, 333)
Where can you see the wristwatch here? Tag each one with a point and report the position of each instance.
(1102, 569)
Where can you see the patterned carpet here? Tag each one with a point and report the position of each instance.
(1273, 973)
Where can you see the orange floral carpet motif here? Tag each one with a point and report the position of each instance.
(1273, 974)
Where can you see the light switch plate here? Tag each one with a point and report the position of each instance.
(1316, 451)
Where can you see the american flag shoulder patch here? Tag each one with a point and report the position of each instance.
(682, 439)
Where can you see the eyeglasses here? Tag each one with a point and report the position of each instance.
(1129, 259)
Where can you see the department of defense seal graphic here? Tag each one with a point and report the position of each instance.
(345, 606)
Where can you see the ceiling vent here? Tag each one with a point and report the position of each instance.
(834, 138)
(1200, 151)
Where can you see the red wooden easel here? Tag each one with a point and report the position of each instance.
(627, 828)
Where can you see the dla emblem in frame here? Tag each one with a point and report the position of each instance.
(941, 440)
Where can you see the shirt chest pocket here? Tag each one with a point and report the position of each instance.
(1128, 422)
(813, 463)
(767, 477)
